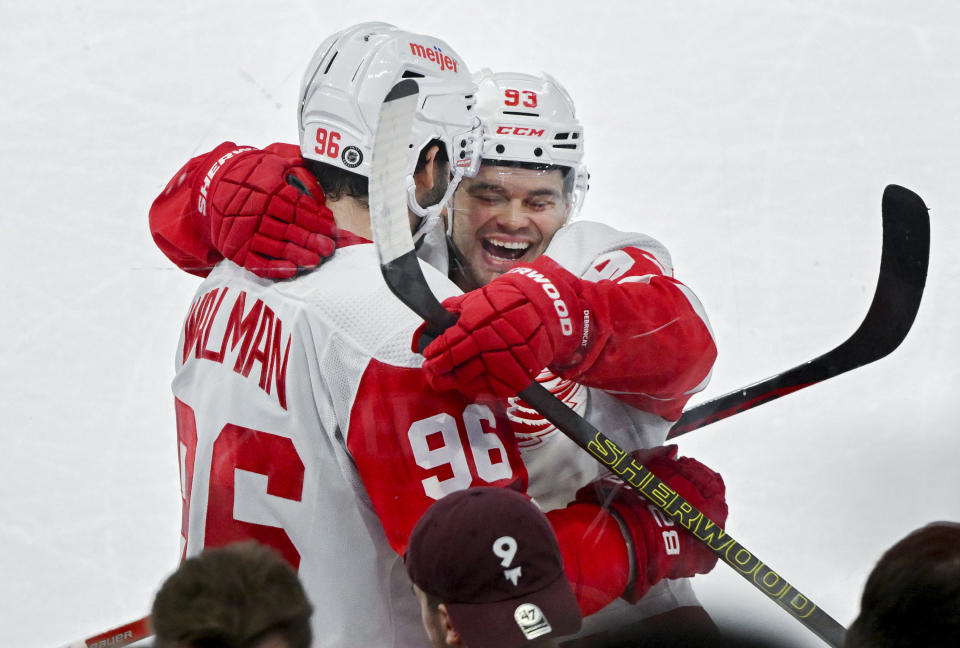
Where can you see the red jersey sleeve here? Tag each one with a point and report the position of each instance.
(594, 554)
(650, 341)
(413, 445)
(178, 227)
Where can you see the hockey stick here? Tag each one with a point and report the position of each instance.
(903, 272)
(402, 272)
(120, 636)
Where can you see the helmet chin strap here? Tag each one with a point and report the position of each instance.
(457, 269)
(426, 215)
(431, 211)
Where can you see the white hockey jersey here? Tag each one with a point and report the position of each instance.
(272, 445)
(303, 422)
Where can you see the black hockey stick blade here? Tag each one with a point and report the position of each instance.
(402, 272)
(903, 273)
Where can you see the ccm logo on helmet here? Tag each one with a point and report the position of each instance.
(434, 54)
(519, 130)
(566, 326)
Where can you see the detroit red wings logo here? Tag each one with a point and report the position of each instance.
(530, 428)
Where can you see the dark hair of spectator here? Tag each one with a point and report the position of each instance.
(912, 596)
(232, 597)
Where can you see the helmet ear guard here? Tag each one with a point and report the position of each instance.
(468, 147)
(581, 183)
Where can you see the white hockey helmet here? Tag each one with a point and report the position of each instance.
(345, 84)
(531, 119)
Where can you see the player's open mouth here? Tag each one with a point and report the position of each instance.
(508, 250)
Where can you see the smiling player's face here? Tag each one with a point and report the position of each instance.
(504, 216)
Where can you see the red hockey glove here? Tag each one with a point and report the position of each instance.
(662, 548)
(508, 331)
(266, 212)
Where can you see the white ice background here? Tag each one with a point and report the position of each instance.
(753, 137)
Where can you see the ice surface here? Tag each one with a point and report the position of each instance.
(753, 137)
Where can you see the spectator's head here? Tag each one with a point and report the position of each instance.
(488, 573)
(912, 596)
(239, 596)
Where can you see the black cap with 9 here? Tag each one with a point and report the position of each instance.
(490, 555)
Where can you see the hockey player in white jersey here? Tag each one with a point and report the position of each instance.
(284, 429)
(516, 213)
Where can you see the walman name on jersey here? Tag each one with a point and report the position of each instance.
(258, 332)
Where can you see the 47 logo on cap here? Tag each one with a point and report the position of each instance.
(531, 621)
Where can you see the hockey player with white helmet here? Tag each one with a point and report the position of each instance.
(340, 102)
(532, 182)
(304, 418)
(532, 143)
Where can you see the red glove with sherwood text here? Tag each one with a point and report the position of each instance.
(661, 548)
(266, 213)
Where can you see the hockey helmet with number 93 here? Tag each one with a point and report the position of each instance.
(345, 84)
(531, 119)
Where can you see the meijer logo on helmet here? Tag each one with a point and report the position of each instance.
(434, 54)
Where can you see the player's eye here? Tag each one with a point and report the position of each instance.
(540, 204)
(489, 198)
